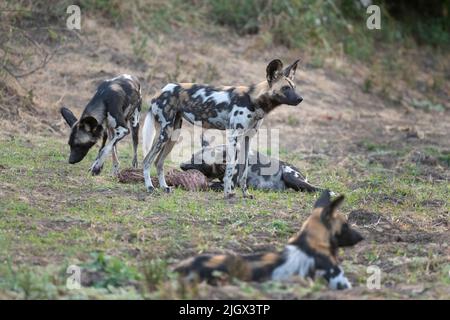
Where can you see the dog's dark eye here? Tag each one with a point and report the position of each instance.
(285, 88)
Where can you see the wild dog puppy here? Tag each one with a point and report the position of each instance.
(313, 251)
(116, 102)
(238, 109)
(263, 172)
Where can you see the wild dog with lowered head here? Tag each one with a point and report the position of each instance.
(238, 109)
(116, 102)
(313, 251)
(211, 161)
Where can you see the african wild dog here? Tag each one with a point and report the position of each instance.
(211, 161)
(239, 109)
(313, 251)
(116, 102)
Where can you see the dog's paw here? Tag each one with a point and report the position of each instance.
(230, 195)
(340, 283)
(248, 195)
(150, 189)
(96, 169)
(168, 190)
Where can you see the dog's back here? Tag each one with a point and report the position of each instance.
(256, 267)
(205, 105)
(119, 95)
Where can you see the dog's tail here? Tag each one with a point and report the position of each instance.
(148, 132)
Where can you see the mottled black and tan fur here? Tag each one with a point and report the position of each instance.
(264, 173)
(312, 252)
(238, 109)
(116, 103)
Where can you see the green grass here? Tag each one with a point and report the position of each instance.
(53, 215)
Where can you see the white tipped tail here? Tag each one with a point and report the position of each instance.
(148, 132)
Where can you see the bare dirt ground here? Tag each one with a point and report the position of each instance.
(338, 126)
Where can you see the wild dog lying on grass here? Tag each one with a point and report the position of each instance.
(313, 251)
(211, 161)
(238, 109)
(116, 102)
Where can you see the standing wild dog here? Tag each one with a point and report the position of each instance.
(238, 109)
(116, 102)
(211, 161)
(313, 251)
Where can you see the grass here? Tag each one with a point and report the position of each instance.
(53, 215)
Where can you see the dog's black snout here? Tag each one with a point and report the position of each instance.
(73, 160)
(299, 100)
(358, 237)
(77, 155)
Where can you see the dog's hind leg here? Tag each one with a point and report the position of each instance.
(115, 160)
(157, 147)
(160, 165)
(294, 179)
(164, 153)
(134, 125)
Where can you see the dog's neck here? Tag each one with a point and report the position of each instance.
(261, 97)
(311, 240)
(296, 262)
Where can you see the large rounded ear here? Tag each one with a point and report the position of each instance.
(273, 70)
(68, 116)
(289, 72)
(336, 203)
(327, 212)
(90, 123)
(324, 200)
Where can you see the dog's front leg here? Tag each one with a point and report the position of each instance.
(336, 279)
(230, 170)
(244, 173)
(104, 139)
(114, 156)
(118, 135)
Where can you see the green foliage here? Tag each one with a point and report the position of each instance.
(428, 105)
(109, 8)
(28, 282)
(113, 271)
(317, 26)
(155, 272)
(240, 15)
(325, 25)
